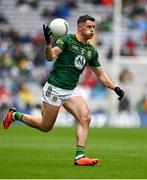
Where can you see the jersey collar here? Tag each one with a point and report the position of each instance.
(78, 39)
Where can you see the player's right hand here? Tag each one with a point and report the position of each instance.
(47, 33)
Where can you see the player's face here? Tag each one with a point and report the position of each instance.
(87, 29)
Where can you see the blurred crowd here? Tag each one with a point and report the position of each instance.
(133, 25)
(24, 69)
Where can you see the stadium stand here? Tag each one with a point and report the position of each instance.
(23, 68)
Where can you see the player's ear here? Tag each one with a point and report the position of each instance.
(79, 26)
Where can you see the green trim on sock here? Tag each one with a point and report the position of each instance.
(18, 116)
(79, 153)
(80, 146)
(80, 150)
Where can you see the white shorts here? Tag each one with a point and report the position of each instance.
(57, 96)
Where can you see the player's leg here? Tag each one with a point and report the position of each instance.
(79, 109)
(43, 123)
(46, 122)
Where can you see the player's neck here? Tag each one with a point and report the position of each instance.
(81, 39)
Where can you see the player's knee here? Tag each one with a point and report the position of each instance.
(85, 119)
(45, 128)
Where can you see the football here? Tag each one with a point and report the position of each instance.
(59, 27)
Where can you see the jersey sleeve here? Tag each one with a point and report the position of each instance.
(61, 43)
(95, 59)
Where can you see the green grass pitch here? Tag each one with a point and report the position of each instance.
(28, 153)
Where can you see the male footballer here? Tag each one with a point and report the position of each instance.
(71, 53)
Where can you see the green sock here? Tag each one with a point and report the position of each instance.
(17, 116)
(80, 151)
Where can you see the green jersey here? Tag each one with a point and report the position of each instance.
(71, 62)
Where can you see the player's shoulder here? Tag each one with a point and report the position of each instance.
(69, 36)
(64, 40)
(93, 50)
(91, 47)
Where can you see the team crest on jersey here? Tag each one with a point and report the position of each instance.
(89, 54)
(79, 62)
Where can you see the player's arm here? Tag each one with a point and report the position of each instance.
(103, 77)
(50, 53)
(106, 81)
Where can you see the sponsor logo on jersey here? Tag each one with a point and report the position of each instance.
(74, 47)
(80, 62)
(77, 49)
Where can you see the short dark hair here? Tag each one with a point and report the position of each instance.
(83, 19)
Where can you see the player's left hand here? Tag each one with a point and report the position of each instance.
(119, 92)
